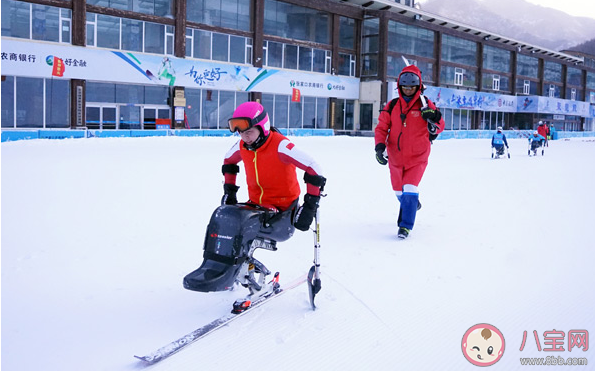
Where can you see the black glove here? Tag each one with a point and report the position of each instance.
(430, 114)
(306, 212)
(432, 128)
(380, 157)
(229, 197)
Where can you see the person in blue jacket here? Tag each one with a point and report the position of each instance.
(536, 140)
(499, 141)
(553, 135)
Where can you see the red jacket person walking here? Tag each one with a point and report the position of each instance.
(405, 131)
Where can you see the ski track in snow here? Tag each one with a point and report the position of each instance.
(97, 235)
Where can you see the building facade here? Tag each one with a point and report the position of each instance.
(186, 64)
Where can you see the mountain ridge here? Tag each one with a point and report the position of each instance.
(518, 19)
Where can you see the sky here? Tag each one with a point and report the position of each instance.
(582, 8)
(98, 233)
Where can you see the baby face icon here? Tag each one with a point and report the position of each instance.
(483, 345)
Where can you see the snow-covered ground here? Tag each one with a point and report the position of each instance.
(97, 235)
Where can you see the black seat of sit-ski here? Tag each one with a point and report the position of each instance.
(229, 233)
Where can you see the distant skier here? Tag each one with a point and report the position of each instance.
(499, 141)
(271, 214)
(535, 141)
(406, 128)
(552, 132)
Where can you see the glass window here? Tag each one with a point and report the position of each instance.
(91, 28)
(574, 76)
(574, 94)
(100, 92)
(281, 111)
(7, 106)
(371, 26)
(526, 87)
(241, 97)
(505, 84)
(296, 22)
(189, 42)
(345, 64)
(291, 56)
(192, 108)
(339, 123)
(132, 35)
(210, 103)
(458, 50)
(349, 114)
(45, 23)
(370, 44)
(133, 94)
(237, 49)
(495, 82)
(552, 71)
(458, 76)
(156, 94)
(29, 97)
(295, 114)
(108, 32)
(527, 66)
(16, 16)
(552, 91)
(427, 71)
(162, 8)
(244, 15)
(229, 13)
(220, 52)
(591, 80)
(154, 38)
(202, 44)
(57, 111)
(319, 61)
(309, 112)
(195, 10)
(410, 40)
(65, 27)
(37, 22)
(227, 105)
(268, 102)
(496, 59)
(394, 65)
(346, 33)
(305, 62)
(212, 12)
(370, 65)
(233, 14)
(321, 113)
(274, 57)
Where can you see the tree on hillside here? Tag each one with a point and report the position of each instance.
(588, 47)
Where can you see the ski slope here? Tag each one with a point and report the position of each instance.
(97, 235)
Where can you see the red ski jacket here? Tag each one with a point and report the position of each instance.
(407, 141)
(542, 130)
(271, 170)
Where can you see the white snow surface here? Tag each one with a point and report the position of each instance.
(97, 235)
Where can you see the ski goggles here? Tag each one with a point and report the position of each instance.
(241, 124)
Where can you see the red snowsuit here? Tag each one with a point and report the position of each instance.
(542, 130)
(407, 141)
(270, 171)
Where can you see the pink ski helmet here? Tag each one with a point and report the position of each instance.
(248, 115)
